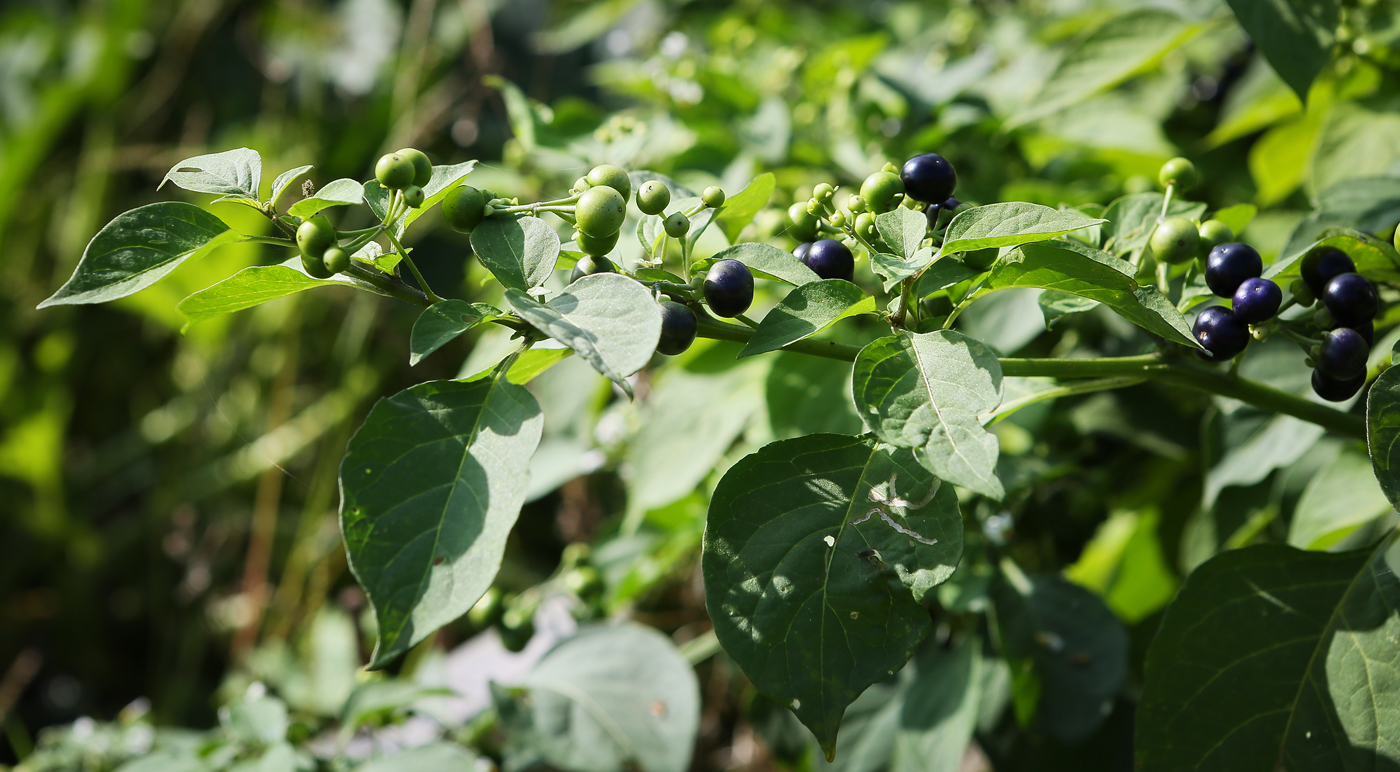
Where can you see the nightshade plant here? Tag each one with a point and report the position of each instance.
(826, 557)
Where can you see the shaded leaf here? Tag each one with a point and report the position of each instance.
(1132, 218)
(903, 229)
(1383, 432)
(1295, 36)
(439, 324)
(807, 310)
(437, 756)
(1338, 500)
(1009, 224)
(1057, 304)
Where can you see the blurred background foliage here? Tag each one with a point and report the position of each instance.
(167, 499)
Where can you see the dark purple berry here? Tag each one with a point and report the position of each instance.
(928, 178)
(1228, 265)
(830, 259)
(1322, 265)
(1257, 300)
(1350, 299)
(1221, 333)
(801, 251)
(728, 288)
(1333, 390)
(1343, 354)
(678, 328)
(1367, 332)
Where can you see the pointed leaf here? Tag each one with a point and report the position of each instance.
(249, 287)
(230, 174)
(902, 229)
(926, 391)
(439, 324)
(766, 260)
(817, 553)
(739, 209)
(138, 248)
(338, 193)
(1009, 224)
(431, 486)
(1295, 37)
(806, 311)
(285, 179)
(520, 253)
(894, 269)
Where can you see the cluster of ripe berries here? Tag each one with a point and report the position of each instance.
(1349, 304)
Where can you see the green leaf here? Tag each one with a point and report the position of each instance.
(1383, 432)
(1372, 259)
(1293, 35)
(436, 756)
(739, 209)
(1338, 500)
(1355, 141)
(520, 253)
(286, 178)
(609, 320)
(230, 174)
(1132, 218)
(817, 553)
(612, 697)
(439, 324)
(894, 269)
(903, 229)
(431, 485)
(809, 395)
(1274, 658)
(1076, 648)
(1057, 304)
(767, 261)
(1072, 267)
(338, 193)
(926, 392)
(945, 272)
(1238, 217)
(138, 248)
(1009, 224)
(806, 311)
(1121, 48)
(249, 287)
(1279, 160)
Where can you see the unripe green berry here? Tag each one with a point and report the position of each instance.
(1179, 172)
(1175, 240)
(590, 265)
(395, 172)
(314, 236)
(865, 223)
(804, 225)
(315, 266)
(463, 208)
(596, 246)
(653, 197)
(600, 211)
(336, 260)
(814, 207)
(713, 197)
(422, 167)
(823, 192)
(855, 203)
(611, 176)
(1259, 332)
(838, 218)
(677, 225)
(880, 190)
(1213, 233)
(413, 196)
(1302, 293)
(581, 184)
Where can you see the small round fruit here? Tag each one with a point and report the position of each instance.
(314, 236)
(1175, 240)
(487, 610)
(1221, 333)
(713, 196)
(823, 191)
(422, 167)
(830, 259)
(584, 582)
(611, 176)
(728, 288)
(1343, 354)
(653, 197)
(880, 191)
(1213, 233)
(336, 260)
(855, 203)
(676, 225)
(395, 172)
(865, 224)
(1333, 390)
(517, 627)
(801, 252)
(1350, 299)
(1228, 265)
(464, 208)
(587, 266)
(315, 266)
(1179, 172)
(929, 178)
(1320, 266)
(678, 328)
(951, 204)
(581, 184)
(414, 196)
(1257, 300)
(600, 211)
(597, 247)
(804, 223)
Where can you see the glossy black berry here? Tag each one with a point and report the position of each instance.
(678, 328)
(1343, 354)
(728, 288)
(1257, 300)
(1350, 299)
(1228, 265)
(1320, 266)
(801, 252)
(1334, 390)
(1221, 333)
(589, 265)
(929, 178)
(830, 259)
(1367, 332)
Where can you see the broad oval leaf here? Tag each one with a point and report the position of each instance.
(766, 260)
(440, 323)
(1008, 224)
(1079, 269)
(430, 487)
(893, 269)
(926, 392)
(1275, 658)
(338, 193)
(739, 209)
(806, 311)
(230, 174)
(1383, 432)
(610, 321)
(520, 253)
(612, 697)
(903, 229)
(138, 248)
(817, 553)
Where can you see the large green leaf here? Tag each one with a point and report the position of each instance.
(430, 487)
(338, 193)
(1383, 432)
(1273, 658)
(1295, 36)
(1009, 224)
(739, 209)
(806, 311)
(818, 551)
(612, 697)
(138, 248)
(1338, 500)
(765, 260)
(230, 174)
(609, 320)
(249, 287)
(520, 252)
(1081, 270)
(926, 392)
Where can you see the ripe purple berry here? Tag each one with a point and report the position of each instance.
(1221, 333)
(929, 178)
(830, 259)
(1343, 354)
(1334, 390)
(1257, 300)
(1320, 266)
(1228, 265)
(1350, 299)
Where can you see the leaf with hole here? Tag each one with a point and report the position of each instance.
(232, 174)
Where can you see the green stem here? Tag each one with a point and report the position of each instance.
(387, 284)
(428, 291)
(269, 240)
(1167, 200)
(1067, 390)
